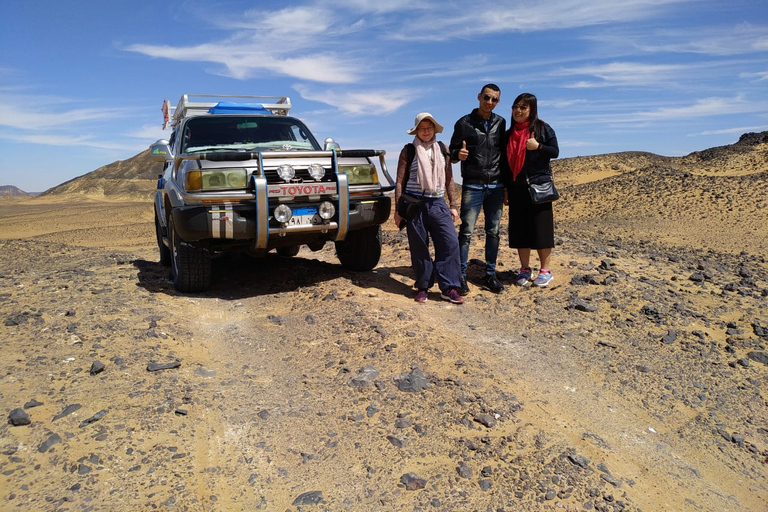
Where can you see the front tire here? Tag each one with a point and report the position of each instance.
(361, 250)
(165, 252)
(191, 264)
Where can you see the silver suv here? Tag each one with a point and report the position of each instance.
(241, 174)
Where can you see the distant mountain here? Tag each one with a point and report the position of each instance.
(134, 178)
(11, 191)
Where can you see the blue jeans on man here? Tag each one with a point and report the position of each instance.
(489, 198)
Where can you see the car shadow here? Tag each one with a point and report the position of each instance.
(236, 276)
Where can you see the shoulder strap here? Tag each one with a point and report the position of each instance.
(410, 154)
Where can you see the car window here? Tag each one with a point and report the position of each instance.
(251, 133)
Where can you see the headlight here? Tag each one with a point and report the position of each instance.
(317, 171)
(326, 210)
(282, 214)
(215, 179)
(363, 174)
(286, 172)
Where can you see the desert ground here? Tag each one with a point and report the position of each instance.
(637, 381)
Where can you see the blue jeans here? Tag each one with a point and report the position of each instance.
(491, 200)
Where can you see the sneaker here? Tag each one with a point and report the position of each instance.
(421, 296)
(543, 279)
(523, 276)
(464, 289)
(492, 283)
(452, 296)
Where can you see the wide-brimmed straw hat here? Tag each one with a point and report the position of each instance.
(422, 116)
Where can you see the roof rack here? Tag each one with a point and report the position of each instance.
(279, 105)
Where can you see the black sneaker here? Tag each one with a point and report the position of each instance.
(464, 288)
(492, 284)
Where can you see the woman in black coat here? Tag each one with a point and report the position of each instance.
(529, 145)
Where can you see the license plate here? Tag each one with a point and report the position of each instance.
(305, 217)
(305, 220)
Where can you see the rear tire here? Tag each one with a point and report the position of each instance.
(191, 264)
(361, 250)
(165, 252)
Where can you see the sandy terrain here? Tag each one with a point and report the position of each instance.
(637, 381)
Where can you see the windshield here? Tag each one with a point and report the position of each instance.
(248, 133)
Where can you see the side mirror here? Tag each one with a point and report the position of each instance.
(160, 151)
(330, 145)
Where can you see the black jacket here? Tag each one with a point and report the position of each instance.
(482, 165)
(536, 165)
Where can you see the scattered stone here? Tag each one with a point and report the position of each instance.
(412, 482)
(581, 305)
(485, 484)
(18, 417)
(396, 441)
(365, 376)
(579, 460)
(67, 411)
(155, 367)
(464, 470)
(758, 357)
(52, 440)
(96, 417)
(669, 338)
(32, 403)
(309, 498)
(96, 368)
(487, 420)
(412, 382)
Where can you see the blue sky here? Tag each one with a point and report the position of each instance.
(82, 83)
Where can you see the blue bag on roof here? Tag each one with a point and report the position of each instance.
(239, 108)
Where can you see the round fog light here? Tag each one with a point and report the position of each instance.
(317, 171)
(326, 210)
(282, 214)
(286, 172)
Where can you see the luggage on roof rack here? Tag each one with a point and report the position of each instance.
(229, 104)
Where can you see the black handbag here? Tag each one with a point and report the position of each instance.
(542, 192)
(408, 206)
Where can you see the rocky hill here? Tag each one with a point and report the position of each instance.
(9, 191)
(635, 382)
(131, 179)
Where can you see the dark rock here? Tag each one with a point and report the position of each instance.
(32, 403)
(412, 382)
(365, 376)
(486, 420)
(309, 498)
(485, 484)
(396, 441)
(759, 330)
(758, 357)
(464, 470)
(412, 482)
(67, 411)
(581, 305)
(96, 368)
(96, 417)
(154, 367)
(52, 440)
(579, 460)
(669, 338)
(18, 417)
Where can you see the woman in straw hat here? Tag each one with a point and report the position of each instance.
(424, 171)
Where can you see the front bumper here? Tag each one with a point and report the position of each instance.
(237, 222)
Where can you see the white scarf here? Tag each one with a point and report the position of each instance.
(431, 164)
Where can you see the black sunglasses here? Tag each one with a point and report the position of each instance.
(493, 99)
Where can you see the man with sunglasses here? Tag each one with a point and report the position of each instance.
(476, 143)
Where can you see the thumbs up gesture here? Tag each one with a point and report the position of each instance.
(463, 152)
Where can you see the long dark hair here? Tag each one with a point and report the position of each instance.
(530, 100)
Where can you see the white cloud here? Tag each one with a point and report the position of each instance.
(359, 102)
(38, 114)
